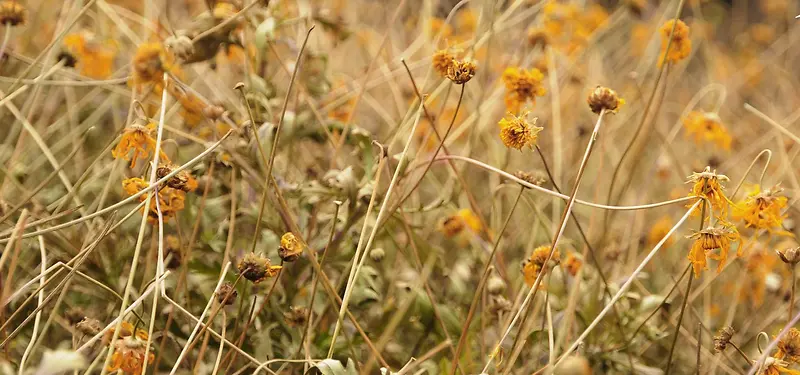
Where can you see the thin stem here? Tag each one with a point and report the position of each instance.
(481, 283)
(685, 300)
(791, 299)
(741, 353)
(626, 285)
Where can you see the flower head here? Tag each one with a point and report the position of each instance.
(170, 200)
(681, 45)
(461, 71)
(129, 350)
(290, 248)
(707, 184)
(789, 346)
(12, 13)
(604, 99)
(257, 268)
(723, 338)
(137, 138)
(775, 366)
(522, 86)
(572, 264)
(150, 62)
(93, 58)
(463, 219)
(537, 261)
(516, 132)
(442, 61)
(762, 209)
(707, 127)
(708, 240)
(183, 180)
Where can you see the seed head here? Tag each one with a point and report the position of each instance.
(531, 177)
(181, 181)
(723, 338)
(291, 247)
(790, 255)
(789, 346)
(257, 268)
(461, 71)
(226, 294)
(89, 326)
(296, 316)
(604, 98)
(180, 45)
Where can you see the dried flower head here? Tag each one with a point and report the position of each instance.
(762, 209)
(183, 180)
(723, 338)
(532, 178)
(290, 248)
(775, 366)
(604, 99)
(257, 268)
(790, 255)
(709, 239)
(707, 184)
(226, 294)
(296, 316)
(129, 351)
(138, 138)
(170, 200)
(522, 86)
(442, 61)
(681, 45)
(181, 46)
(461, 71)
(517, 132)
(533, 265)
(789, 346)
(173, 252)
(707, 127)
(12, 13)
(89, 326)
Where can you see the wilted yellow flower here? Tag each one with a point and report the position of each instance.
(789, 346)
(137, 138)
(257, 268)
(681, 45)
(516, 132)
(150, 62)
(762, 209)
(707, 127)
(170, 200)
(533, 265)
(129, 350)
(521, 86)
(707, 184)
(709, 239)
(290, 248)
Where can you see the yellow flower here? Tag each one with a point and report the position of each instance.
(94, 59)
(12, 13)
(257, 268)
(707, 184)
(521, 86)
(775, 366)
(681, 45)
(129, 351)
(442, 61)
(789, 346)
(533, 265)
(150, 62)
(137, 138)
(573, 264)
(762, 209)
(710, 239)
(516, 132)
(170, 200)
(659, 230)
(290, 248)
(707, 127)
(463, 219)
